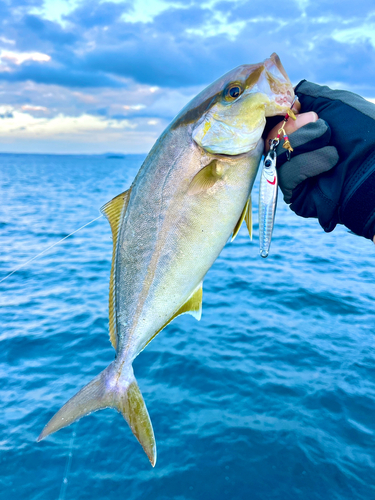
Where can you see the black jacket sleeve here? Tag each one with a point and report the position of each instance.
(343, 194)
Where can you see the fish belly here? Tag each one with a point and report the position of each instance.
(169, 242)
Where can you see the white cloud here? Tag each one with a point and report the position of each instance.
(362, 33)
(144, 15)
(134, 106)
(86, 98)
(21, 124)
(55, 10)
(20, 57)
(7, 40)
(29, 107)
(219, 26)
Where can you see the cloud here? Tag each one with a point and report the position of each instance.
(355, 35)
(59, 75)
(345, 9)
(27, 125)
(182, 46)
(114, 61)
(62, 134)
(20, 57)
(31, 32)
(93, 14)
(257, 9)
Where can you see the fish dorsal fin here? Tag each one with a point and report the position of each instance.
(206, 178)
(249, 219)
(192, 306)
(113, 211)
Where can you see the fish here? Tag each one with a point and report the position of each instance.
(190, 196)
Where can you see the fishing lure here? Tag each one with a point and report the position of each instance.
(268, 187)
(267, 201)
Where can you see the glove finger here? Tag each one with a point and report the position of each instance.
(314, 135)
(302, 166)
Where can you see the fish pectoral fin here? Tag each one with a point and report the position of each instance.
(110, 389)
(249, 219)
(206, 178)
(237, 227)
(113, 211)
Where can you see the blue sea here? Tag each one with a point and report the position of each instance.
(271, 396)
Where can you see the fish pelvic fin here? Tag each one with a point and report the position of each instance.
(113, 388)
(249, 218)
(246, 215)
(192, 306)
(114, 211)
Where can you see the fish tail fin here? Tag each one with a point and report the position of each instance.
(115, 389)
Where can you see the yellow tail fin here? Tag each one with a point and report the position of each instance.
(115, 389)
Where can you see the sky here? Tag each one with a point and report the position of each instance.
(88, 76)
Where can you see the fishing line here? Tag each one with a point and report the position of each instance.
(49, 248)
(64, 483)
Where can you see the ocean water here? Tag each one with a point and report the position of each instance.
(271, 396)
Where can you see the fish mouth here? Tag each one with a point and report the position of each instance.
(287, 101)
(284, 100)
(286, 97)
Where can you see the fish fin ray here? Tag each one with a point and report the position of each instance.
(205, 178)
(111, 389)
(134, 411)
(249, 219)
(192, 306)
(90, 398)
(113, 211)
(237, 227)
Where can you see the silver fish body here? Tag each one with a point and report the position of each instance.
(184, 235)
(191, 193)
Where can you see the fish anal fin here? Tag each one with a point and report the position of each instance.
(249, 219)
(237, 227)
(113, 211)
(206, 178)
(192, 306)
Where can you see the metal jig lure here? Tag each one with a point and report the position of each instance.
(268, 187)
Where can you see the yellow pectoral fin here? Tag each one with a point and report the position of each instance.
(113, 211)
(206, 178)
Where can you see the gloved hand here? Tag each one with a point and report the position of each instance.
(331, 173)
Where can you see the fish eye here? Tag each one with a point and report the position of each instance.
(233, 91)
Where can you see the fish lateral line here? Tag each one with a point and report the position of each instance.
(48, 248)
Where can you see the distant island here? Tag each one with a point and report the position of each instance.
(115, 157)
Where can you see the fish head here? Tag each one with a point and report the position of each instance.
(229, 116)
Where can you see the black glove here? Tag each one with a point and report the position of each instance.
(331, 174)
